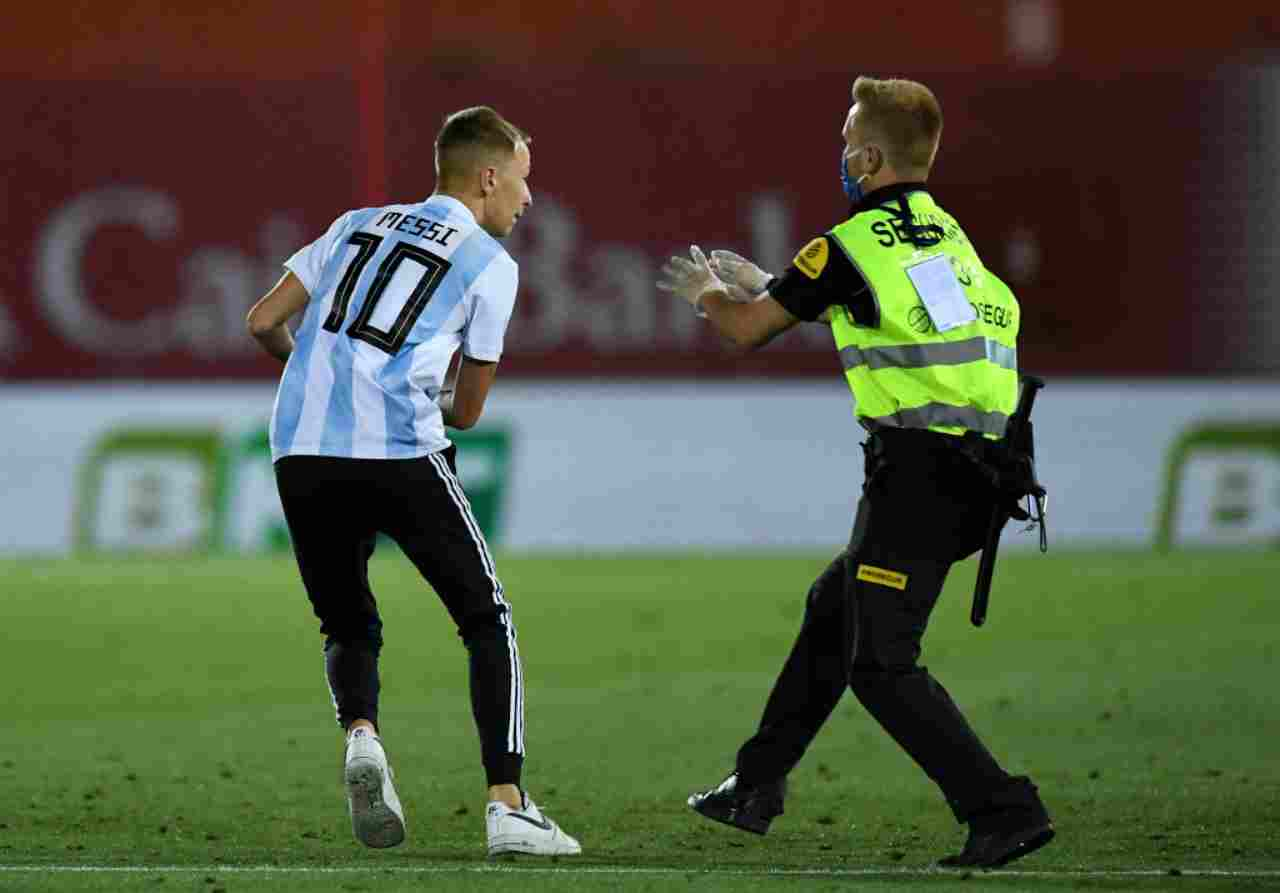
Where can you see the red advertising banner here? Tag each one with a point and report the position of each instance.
(140, 221)
(113, 38)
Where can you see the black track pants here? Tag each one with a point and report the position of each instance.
(334, 508)
(923, 507)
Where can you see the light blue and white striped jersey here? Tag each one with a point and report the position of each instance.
(394, 292)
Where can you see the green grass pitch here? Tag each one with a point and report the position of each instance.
(170, 715)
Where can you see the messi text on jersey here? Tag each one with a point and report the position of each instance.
(422, 227)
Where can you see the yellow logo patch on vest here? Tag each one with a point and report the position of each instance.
(812, 259)
(882, 576)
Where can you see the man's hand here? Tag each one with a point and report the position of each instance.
(747, 323)
(462, 398)
(690, 279)
(744, 281)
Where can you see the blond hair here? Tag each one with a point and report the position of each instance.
(906, 116)
(472, 136)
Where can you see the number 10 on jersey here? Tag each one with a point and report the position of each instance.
(433, 273)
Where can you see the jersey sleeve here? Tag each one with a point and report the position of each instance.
(820, 276)
(493, 299)
(308, 262)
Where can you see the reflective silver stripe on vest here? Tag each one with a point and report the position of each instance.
(933, 415)
(943, 353)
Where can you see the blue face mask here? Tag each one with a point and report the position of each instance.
(852, 188)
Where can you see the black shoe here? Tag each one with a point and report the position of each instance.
(999, 847)
(1008, 830)
(748, 808)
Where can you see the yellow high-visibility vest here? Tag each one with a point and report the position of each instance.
(905, 372)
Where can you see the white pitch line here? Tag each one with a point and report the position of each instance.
(1256, 874)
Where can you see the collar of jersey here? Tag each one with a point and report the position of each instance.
(452, 203)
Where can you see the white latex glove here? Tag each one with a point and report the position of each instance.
(690, 278)
(743, 280)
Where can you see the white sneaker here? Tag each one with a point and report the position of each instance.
(377, 819)
(526, 830)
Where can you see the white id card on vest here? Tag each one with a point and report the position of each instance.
(941, 293)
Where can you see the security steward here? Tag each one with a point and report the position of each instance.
(927, 337)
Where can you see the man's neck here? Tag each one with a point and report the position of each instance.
(474, 204)
(890, 178)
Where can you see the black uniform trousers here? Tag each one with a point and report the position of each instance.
(335, 507)
(924, 506)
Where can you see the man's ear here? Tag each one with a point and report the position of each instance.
(488, 180)
(878, 159)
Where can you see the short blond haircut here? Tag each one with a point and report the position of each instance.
(906, 116)
(473, 136)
